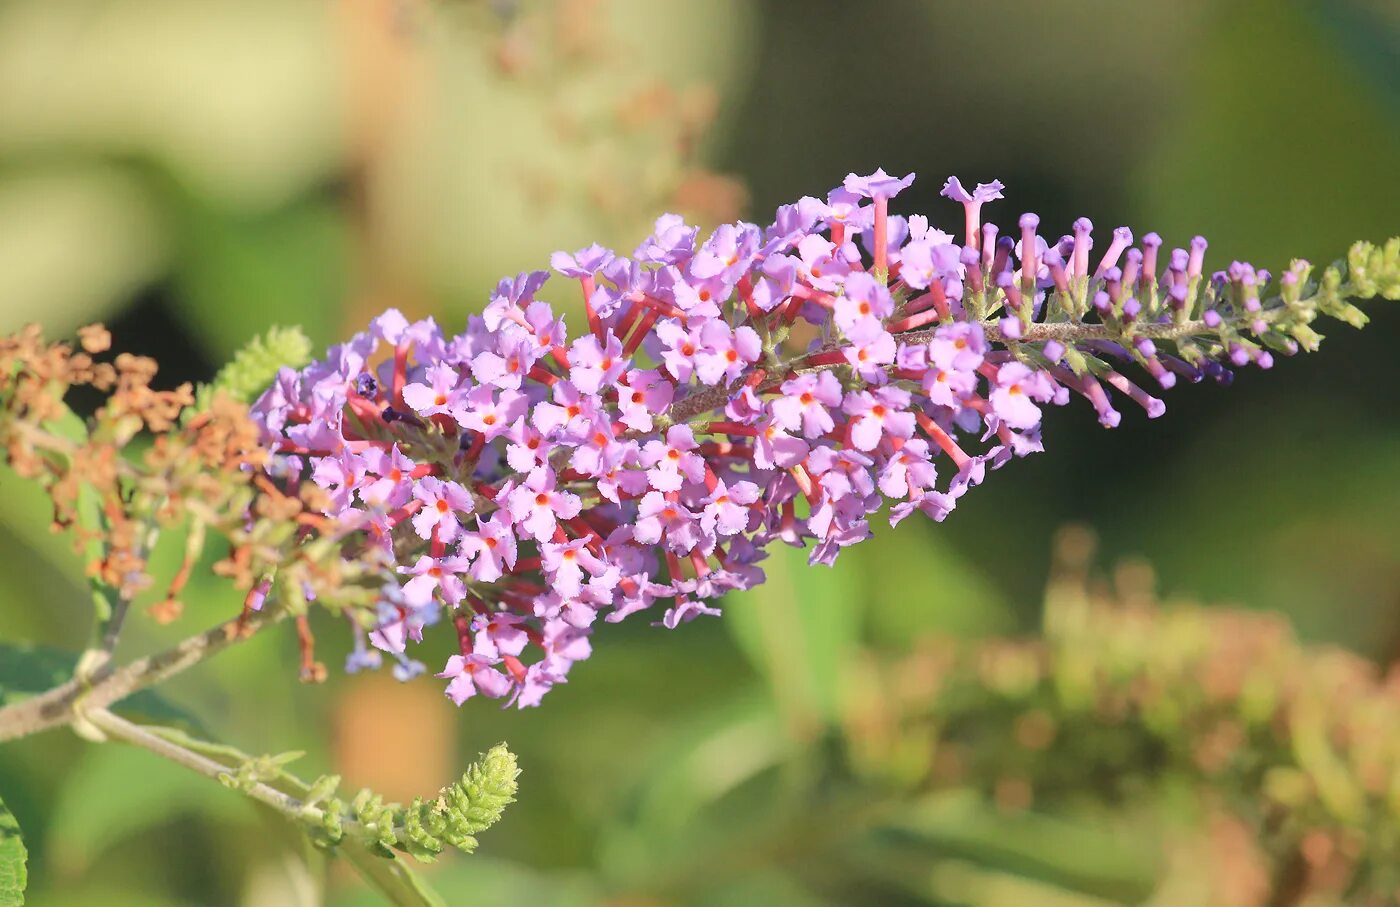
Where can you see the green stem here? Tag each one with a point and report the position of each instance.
(121, 729)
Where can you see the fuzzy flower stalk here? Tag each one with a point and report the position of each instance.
(780, 383)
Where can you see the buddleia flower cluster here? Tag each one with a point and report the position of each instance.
(758, 385)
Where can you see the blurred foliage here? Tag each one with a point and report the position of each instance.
(13, 859)
(200, 172)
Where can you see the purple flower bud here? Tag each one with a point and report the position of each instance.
(1007, 284)
(1179, 260)
(1258, 326)
(1002, 258)
(1184, 369)
(1239, 356)
(1133, 269)
(1083, 242)
(1103, 304)
(1054, 350)
(1198, 255)
(1122, 238)
(1264, 360)
(1029, 265)
(1054, 260)
(1219, 373)
(1150, 244)
(1113, 279)
(1131, 309)
(1289, 278)
(1176, 296)
(1212, 318)
(989, 244)
(971, 260)
(1010, 328)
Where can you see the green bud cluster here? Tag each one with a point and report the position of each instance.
(424, 828)
(259, 770)
(255, 366)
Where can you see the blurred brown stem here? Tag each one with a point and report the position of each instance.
(66, 703)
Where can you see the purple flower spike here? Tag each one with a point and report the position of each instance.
(525, 486)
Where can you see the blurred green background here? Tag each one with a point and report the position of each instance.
(194, 172)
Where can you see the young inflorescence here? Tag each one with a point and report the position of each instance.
(779, 383)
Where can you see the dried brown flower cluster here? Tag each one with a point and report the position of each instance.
(150, 460)
(1125, 698)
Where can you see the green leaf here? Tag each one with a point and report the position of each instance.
(256, 365)
(13, 874)
(484, 880)
(243, 273)
(115, 792)
(79, 240)
(799, 629)
(27, 669)
(391, 876)
(1072, 855)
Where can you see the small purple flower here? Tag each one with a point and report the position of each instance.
(442, 501)
(775, 447)
(393, 486)
(863, 299)
(491, 412)
(537, 505)
(492, 547)
(985, 192)
(472, 674)
(666, 522)
(805, 402)
(499, 634)
(726, 353)
(432, 575)
(583, 263)
(728, 508)
(877, 415)
(871, 348)
(1017, 389)
(596, 365)
(878, 184)
(960, 346)
(645, 395)
(672, 462)
(444, 393)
